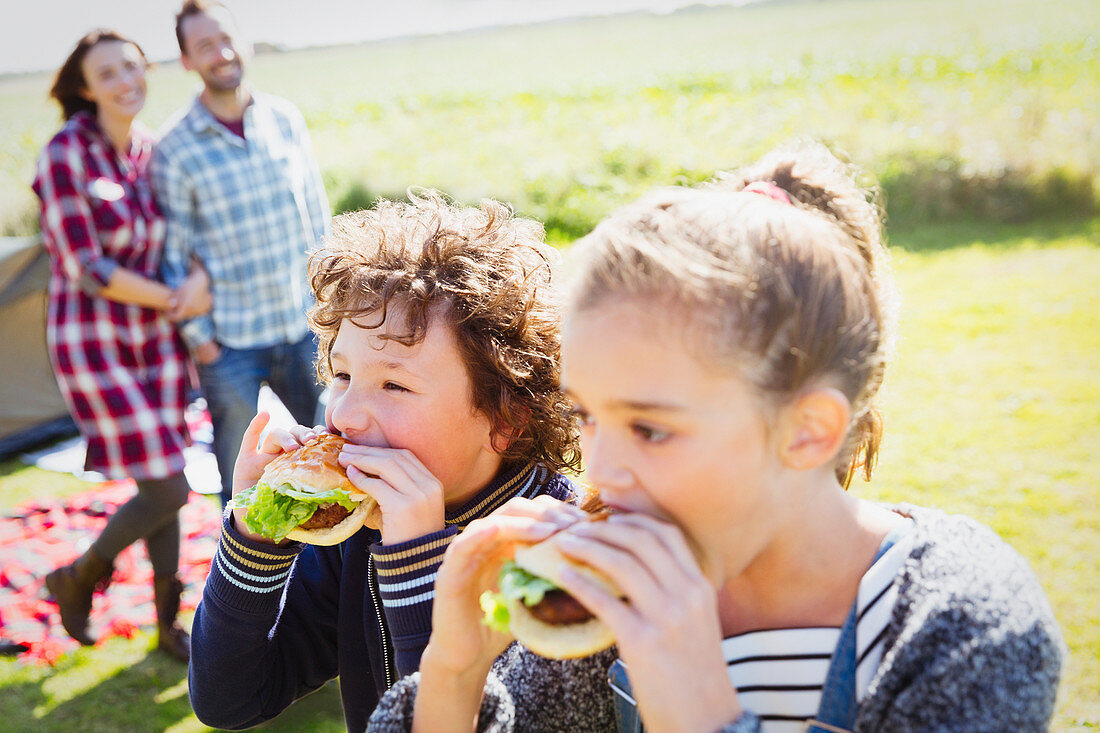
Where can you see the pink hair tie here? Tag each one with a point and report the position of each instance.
(769, 189)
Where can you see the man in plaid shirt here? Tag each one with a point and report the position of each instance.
(236, 176)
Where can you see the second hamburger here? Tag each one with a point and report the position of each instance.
(543, 617)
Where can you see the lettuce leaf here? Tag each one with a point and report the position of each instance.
(515, 584)
(497, 615)
(518, 584)
(274, 513)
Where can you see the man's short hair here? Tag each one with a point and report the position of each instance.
(188, 9)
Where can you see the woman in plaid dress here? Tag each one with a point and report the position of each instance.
(118, 360)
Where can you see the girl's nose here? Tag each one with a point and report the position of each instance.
(603, 466)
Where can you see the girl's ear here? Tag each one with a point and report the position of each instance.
(813, 429)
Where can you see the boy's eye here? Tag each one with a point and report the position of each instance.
(394, 387)
(648, 433)
(340, 376)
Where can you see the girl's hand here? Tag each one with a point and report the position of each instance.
(667, 628)
(461, 644)
(462, 649)
(253, 458)
(409, 496)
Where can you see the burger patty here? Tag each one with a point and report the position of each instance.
(558, 607)
(327, 515)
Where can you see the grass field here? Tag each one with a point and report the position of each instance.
(990, 410)
(980, 106)
(980, 119)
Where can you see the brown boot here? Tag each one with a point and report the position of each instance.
(170, 635)
(72, 587)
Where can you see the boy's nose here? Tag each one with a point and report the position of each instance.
(352, 419)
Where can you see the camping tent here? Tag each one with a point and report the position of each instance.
(31, 407)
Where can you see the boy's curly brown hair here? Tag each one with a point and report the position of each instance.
(485, 272)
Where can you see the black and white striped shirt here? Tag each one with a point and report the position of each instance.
(779, 673)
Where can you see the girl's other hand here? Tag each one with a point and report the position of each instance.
(460, 643)
(462, 649)
(666, 628)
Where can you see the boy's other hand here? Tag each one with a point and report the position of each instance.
(254, 456)
(410, 497)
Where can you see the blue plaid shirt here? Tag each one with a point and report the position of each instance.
(250, 210)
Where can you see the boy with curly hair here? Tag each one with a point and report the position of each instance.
(439, 339)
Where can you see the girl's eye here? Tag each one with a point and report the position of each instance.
(340, 376)
(649, 434)
(581, 416)
(393, 387)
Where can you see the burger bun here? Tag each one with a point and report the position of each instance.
(558, 641)
(315, 468)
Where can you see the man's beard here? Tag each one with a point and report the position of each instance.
(216, 83)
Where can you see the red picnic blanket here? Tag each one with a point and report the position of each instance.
(38, 536)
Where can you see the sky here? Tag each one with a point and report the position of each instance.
(39, 34)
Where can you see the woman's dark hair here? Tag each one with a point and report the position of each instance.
(70, 81)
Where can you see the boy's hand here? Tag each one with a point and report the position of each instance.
(409, 496)
(253, 458)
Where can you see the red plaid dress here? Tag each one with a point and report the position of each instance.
(121, 367)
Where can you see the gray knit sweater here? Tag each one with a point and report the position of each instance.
(972, 646)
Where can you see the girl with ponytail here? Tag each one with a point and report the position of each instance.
(723, 348)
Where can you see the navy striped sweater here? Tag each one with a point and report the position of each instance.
(276, 623)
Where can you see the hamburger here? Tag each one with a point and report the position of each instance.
(305, 495)
(542, 616)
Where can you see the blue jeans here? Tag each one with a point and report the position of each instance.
(232, 384)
